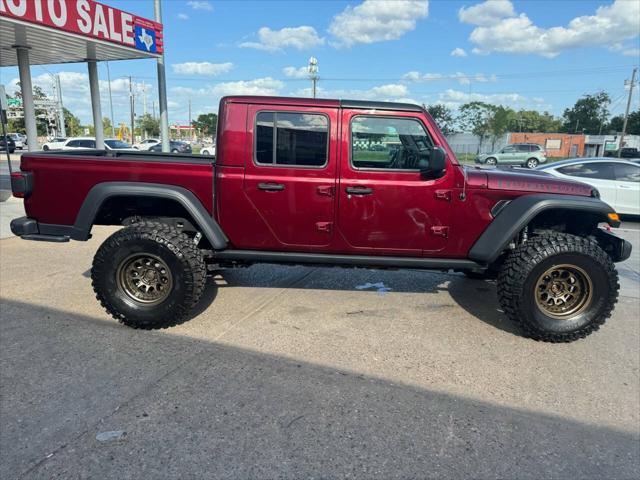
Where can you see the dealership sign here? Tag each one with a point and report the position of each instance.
(89, 19)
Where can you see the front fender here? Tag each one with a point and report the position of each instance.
(519, 212)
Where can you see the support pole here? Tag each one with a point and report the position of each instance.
(27, 98)
(94, 87)
(162, 88)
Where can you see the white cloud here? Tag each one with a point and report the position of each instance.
(454, 98)
(390, 90)
(201, 68)
(458, 52)
(387, 93)
(461, 78)
(200, 5)
(301, 38)
(183, 16)
(377, 20)
(610, 25)
(487, 13)
(293, 72)
(259, 86)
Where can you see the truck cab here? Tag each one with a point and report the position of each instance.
(329, 176)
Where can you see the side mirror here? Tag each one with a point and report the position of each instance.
(434, 165)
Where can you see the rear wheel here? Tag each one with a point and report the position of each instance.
(148, 275)
(532, 163)
(45, 147)
(491, 161)
(558, 287)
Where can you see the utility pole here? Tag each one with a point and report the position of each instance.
(61, 126)
(113, 125)
(162, 88)
(132, 108)
(626, 113)
(313, 74)
(144, 106)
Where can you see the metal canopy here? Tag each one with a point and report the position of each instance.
(51, 46)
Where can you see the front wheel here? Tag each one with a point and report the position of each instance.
(532, 163)
(45, 147)
(558, 287)
(491, 161)
(148, 275)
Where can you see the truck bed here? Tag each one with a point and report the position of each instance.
(61, 180)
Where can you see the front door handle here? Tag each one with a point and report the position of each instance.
(271, 187)
(359, 190)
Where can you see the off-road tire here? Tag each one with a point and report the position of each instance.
(178, 252)
(525, 265)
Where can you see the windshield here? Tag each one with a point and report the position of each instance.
(116, 144)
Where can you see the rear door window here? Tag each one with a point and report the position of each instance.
(627, 173)
(599, 170)
(291, 139)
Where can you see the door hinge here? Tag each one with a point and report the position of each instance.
(443, 195)
(324, 226)
(440, 231)
(327, 190)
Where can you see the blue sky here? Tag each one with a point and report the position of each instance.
(527, 54)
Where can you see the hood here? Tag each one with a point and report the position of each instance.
(526, 181)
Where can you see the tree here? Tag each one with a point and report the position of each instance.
(633, 124)
(531, 121)
(206, 123)
(146, 123)
(589, 114)
(443, 116)
(499, 122)
(476, 117)
(72, 124)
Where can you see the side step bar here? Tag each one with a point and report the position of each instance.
(254, 256)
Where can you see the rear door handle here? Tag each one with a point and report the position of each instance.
(271, 187)
(626, 187)
(359, 190)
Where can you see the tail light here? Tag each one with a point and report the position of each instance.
(21, 184)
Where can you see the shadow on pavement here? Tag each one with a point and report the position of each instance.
(194, 409)
(476, 297)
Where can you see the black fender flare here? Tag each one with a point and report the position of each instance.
(103, 191)
(514, 216)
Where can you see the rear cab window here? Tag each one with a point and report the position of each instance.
(291, 139)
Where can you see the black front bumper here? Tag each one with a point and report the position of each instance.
(618, 248)
(29, 229)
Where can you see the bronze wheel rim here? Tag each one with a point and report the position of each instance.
(144, 278)
(563, 291)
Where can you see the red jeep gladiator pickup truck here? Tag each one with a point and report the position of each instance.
(343, 183)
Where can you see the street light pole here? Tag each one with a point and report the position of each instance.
(626, 113)
(132, 108)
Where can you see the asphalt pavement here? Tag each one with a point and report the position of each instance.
(301, 372)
